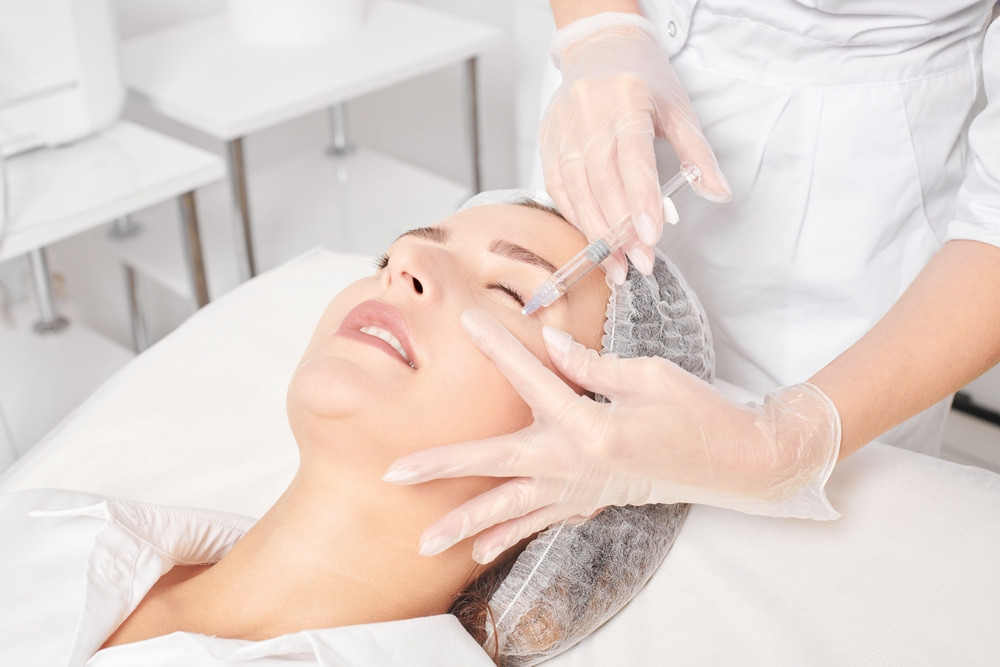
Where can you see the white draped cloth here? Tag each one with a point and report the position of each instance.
(74, 565)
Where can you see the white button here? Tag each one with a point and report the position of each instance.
(672, 29)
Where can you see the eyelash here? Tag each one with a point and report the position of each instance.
(509, 291)
(382, 261)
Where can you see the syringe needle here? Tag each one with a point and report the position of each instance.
(597, 251)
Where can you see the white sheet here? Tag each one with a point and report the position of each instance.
(909, 575)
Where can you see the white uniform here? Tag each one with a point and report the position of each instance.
(74, 569)
(842, 127)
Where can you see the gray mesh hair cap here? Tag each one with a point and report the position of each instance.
(570, 579)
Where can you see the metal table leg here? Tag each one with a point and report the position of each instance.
(340, 141)
(136, 309)
(472, 123)
(193, 260)
(50, 321)
(124, 227)
(193, 257)
(241, 210)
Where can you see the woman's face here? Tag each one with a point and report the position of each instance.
(355, 392)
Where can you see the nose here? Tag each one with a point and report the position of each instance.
(417, 271)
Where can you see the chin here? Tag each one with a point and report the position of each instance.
(330, 389)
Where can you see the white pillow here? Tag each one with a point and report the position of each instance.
(199, 419)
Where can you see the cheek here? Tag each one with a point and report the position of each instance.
(510, 412)
(530, 335)
(474, 402)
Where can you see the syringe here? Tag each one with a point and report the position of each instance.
(597, 251)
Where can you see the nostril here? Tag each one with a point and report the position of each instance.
(417, 286)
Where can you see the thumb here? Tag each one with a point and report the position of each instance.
(690, 144)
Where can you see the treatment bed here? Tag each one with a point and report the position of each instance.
(909, 575)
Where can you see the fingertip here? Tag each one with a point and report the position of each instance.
(475, 323)
(470, 319)
(616, 269)
(712, 185)
(398, 474)
(484, 553)
(726, 192)
(718, 194)
(647, 229)
(692, 146)
(642, 259)
(432, 545)
(556, 340)
(562, 203)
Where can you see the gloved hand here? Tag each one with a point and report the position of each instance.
(596, 138)
(665, 437)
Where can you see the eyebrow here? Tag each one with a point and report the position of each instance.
(520, 254)
(435, 234)
(499, 247)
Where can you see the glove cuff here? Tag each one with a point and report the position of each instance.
(805, 424)
(581, 29)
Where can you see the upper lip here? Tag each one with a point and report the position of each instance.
(384, 316)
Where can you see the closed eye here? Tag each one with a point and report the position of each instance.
(509, 291)
(381, 261)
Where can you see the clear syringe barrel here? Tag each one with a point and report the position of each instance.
(597, 251)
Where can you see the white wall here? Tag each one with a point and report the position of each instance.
(534, 28)
(422, 121)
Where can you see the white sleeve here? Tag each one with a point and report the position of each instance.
(977, 214)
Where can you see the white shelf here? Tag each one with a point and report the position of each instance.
(200, 74)
(357, 203)
(45, 377)
(57, 193)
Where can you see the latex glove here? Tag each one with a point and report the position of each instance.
(596, 137)
(665, 437)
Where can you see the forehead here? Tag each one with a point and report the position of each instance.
(532, 227)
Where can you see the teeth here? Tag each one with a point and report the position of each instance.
(382, 334)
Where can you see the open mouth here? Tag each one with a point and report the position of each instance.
(377, 323)
(386, 335)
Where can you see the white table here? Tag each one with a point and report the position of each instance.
(58, 193)
(203, 76)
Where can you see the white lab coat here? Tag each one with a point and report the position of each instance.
(76, 567)
(842, 127)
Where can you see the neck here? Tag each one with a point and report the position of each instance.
(331, 552)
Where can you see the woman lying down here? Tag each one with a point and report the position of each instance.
(389, 370)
